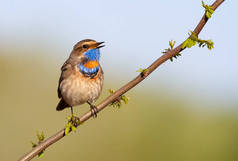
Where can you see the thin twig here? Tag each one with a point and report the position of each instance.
(120, 91)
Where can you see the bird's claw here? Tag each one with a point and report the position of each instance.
(75, 120)
(94, 110)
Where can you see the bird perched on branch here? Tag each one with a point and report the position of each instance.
(81, 77)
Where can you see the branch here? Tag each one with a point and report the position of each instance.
(110, 99)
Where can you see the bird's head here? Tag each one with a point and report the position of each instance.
(88, 54)
(88, 48)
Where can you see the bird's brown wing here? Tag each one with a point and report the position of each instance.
(59, 91)
(64, 69)
(67, 69)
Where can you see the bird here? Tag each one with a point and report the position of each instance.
(81, 78)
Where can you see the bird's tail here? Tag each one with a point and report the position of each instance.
(61, 105)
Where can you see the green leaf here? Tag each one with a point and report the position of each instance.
(116, 104)
(67, 128)
(40, 138)
(171, 44)
(191, 43)
(177, 55)
(184, 44)
(73, 128)
(208, 10)
(111, 91)
(41, 154)
(33, 144)
(142, 70)
(124, 99)
(68, 118)
(193, 40)
(165, 51)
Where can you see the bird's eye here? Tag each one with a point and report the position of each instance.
(85, 46)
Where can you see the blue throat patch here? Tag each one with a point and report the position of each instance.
(91, 55)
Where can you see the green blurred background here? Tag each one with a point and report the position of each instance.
(185, 111)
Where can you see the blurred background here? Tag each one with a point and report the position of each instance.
(185, 111)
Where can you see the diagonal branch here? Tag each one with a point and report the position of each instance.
(59, 135)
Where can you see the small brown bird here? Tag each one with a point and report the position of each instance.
(81, 77)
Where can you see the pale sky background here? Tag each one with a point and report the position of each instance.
(135, 33)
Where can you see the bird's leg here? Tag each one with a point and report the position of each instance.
(74, 119)
(72, 111)
(94, 109)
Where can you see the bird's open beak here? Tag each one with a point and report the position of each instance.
(99, 45)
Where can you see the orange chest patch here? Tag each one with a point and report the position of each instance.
(91, 64)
